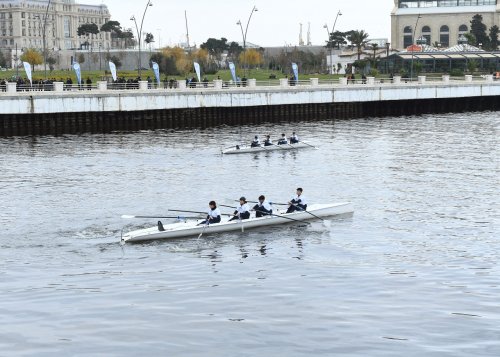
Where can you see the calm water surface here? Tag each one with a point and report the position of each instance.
(415, 271)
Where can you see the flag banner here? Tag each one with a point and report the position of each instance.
(233, 71)
(295, 71)
(198, 71)
(156, 69)
(27, 69)
(76, 67)
(112, 68)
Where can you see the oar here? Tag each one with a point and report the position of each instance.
(126, 216)
(277, 215)
(241, 221)
(303, 142)
(177, 210)
(300, 208)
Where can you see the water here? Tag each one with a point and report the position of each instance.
(414, 271)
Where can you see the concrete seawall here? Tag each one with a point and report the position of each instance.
(59, 112)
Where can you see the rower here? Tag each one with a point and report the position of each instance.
(283, 140)
(255, 142)
(298, 203)
(242, 211)
(268, 141)
(294, 139)
(213, 214)
(262, 208)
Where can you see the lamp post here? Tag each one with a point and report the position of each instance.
(139, 33)
(333, 29)
(244, 34)
(413, 44)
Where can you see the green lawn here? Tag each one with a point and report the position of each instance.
(258, 74)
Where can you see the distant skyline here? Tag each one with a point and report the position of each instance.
(276, 22)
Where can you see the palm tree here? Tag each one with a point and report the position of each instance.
(374, 47)
(358, 39)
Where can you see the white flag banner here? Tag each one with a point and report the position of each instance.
(198, 71)
(112, 68)
(27, 69)
(78, 72)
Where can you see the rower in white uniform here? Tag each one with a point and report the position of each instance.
(213, 216)
(263, 208)
(242, 210)
(294, 139)
(268, 141)
(297, 203)
(283, 140)
(255, 142)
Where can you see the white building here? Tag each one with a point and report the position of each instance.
(438, 21)
(22, 24)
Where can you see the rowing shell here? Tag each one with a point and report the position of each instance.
(191, 229)
(248, 149)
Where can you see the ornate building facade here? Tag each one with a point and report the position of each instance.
(440, 22)
(22, 24)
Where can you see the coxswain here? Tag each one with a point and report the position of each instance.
(242, 211)
(283, 140)
(298, 203)
(294, 139)
(213, 216)
(255, 142)
(268, 141)
(262, 208)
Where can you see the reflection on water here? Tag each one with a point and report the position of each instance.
(413, 271)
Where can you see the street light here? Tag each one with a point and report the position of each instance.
(244, 34)
(139, 33)
(412, 46)
(333, 29)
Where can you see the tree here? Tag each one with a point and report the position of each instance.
(478, 29)
(81, 58)
(374, 48)
(251, 57)
(494, 30)
(51, 61)
(337, 39)
(32, 56)
(472, 65)
(234, 50)
(111, 26)
(215, 47)
(116, 61)
(87, 29)
(149, 38)
(358, 39)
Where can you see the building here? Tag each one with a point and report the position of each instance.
(22, 25)
(441, 22)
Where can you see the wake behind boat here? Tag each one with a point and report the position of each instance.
(238, 149)
(192, 229)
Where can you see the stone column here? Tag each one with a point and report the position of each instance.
(11, 87)
(468, 78)
(343, 81)
(396, 79)
(446, 78)
(102, 85)
(143, 85)
(283, 82)
(370, 80)
(181, 84)
(58, 86)
(252, 83)
(421, 79)
(314, 82)
(218, 83)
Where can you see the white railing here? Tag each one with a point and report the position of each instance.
(230, 85)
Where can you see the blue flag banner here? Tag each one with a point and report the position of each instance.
(198, 71)
(156, 69)
(295, 71)
(76, 67)
(112, 68)
(27, 69)
(233, 71)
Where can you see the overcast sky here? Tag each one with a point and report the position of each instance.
(275, 23)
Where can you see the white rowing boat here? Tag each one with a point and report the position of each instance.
(248, 149)
(191, 229)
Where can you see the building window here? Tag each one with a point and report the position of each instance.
(407, 37)
(444, 36)
(426, 33)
